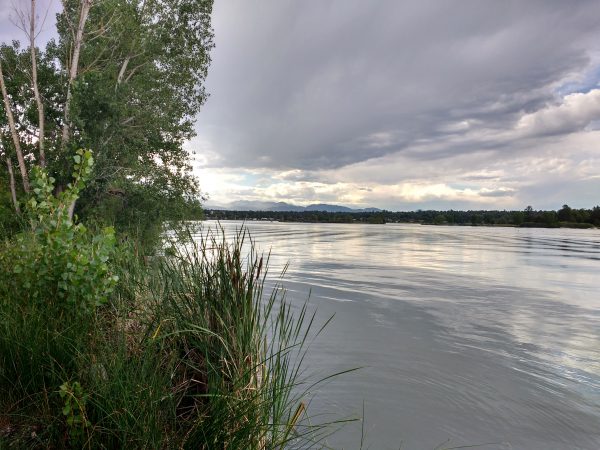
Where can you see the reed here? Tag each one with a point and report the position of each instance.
(190, 352)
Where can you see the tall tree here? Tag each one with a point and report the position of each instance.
(565, 214)
(72, 65)
(124, 78)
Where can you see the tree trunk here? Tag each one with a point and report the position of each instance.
(122, 71)
(13, 190)
(38, 98)
(72, 209)
(66, 131)
(83, 14)
(13, 132)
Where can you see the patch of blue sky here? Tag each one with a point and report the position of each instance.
(250, 179)
(462, 187)
(589, 81)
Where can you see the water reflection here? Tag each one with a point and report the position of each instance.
(473, 334)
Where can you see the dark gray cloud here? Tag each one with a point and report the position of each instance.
(314, 85)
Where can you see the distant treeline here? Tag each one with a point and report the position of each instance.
(564, 217)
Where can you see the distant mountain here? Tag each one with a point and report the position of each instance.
(336, 208)
(243, 205)
(282, 206)
(328, 208)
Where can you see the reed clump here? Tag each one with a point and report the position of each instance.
(189, 352)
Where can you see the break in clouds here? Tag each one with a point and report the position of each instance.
(403, 105)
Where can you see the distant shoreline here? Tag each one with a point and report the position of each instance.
(576, 219)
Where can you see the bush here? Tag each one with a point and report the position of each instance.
(582, 225)
(52, 278)
(58, 263)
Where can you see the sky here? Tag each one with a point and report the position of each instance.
(45, 18)
(402, 105)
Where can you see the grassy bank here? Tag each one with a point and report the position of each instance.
(186, 353)
(101, 347)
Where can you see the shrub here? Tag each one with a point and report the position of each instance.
(58, 263)
(52, 278)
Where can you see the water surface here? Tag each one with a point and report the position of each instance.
(469, 334)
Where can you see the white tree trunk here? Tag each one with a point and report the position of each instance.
(83, 15)
(38, 98)
(73, 69)
(122, 71)
(13, 132)
(13, 190)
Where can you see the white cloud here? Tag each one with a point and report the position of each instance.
(479, 180)
(574, 113)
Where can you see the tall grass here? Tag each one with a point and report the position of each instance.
(190, 352)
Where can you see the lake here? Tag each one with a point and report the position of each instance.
(470, 335)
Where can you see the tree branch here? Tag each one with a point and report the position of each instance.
(13, 132)
(122, 71)
(139, 66)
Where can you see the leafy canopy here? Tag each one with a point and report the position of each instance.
(137, 91)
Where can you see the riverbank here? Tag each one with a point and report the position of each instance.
(102, 348)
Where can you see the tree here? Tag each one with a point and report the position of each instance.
(565, 214)
(125, 78)
(27, 23)
(11, 177)
(595, 215)
(439, 219)
(517, 217)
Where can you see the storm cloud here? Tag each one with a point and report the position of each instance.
(373, 101)
(395, 103)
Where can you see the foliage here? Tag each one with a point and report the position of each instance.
(137, 123)
(53, 276)
(9, 222)
(578, 218)
(229, 356)
(74, 399)
(188, 353)
(59, 262)
(137, 90)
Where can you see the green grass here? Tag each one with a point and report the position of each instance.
(189, 352)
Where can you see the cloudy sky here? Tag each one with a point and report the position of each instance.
(403, 104)
(399, 104)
